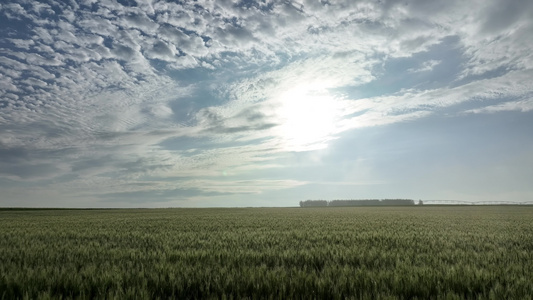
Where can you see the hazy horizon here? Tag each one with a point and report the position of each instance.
(125, 103)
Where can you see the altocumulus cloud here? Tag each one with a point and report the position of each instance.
(150, 103)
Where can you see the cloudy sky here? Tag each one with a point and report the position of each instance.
(125, 103)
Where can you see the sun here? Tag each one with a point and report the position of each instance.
(308, 117)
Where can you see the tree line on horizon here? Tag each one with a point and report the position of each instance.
(363, 202)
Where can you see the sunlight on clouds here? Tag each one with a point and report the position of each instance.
(308, 117)
(161, 99)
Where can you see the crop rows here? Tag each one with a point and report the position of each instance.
(332, 253)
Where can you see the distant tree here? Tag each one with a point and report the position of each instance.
(313, 203)
(397, 202)
(420, 202)
(365, 202)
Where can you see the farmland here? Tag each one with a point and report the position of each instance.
(446, 252)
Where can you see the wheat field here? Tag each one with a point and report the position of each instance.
(422, 252)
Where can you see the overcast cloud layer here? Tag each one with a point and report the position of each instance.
(264, 103)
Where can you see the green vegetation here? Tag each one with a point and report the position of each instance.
(326, 253)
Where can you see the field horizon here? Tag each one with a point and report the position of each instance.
(7, 208)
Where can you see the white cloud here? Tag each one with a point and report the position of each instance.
(409, 105)
(23, 44)
(13, 10)
(107, 77)
(426, 66)
(162, 51)
(6, 84)
(498, 37)
(522, 105)
(184, 62)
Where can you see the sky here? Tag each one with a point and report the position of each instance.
(125, 103)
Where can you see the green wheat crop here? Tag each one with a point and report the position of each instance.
(322, 253)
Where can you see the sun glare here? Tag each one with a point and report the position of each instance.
(308, 117)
